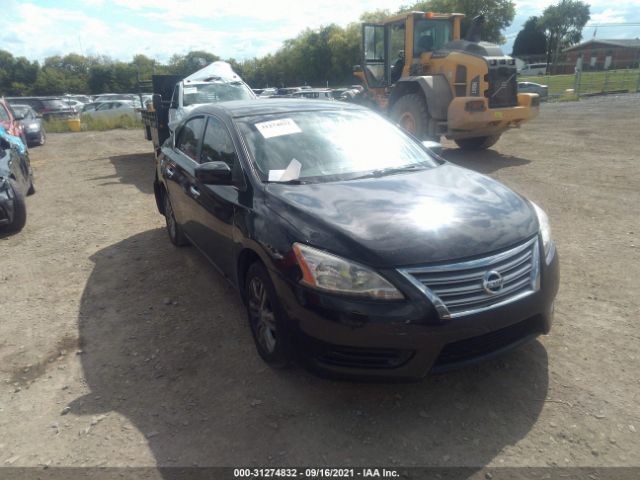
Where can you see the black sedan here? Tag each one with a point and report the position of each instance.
(32, 122)
(352, 244)
(16, 182)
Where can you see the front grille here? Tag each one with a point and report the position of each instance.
(475, 347)
(464, 288)
(355, 357)
(503, 86)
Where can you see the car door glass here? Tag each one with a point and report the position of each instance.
(190, 136)
(217, 145)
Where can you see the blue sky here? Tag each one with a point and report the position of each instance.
(241, 29)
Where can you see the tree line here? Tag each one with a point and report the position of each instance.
(315, 57)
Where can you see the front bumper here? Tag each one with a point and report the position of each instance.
(407, 339)
(490, 121)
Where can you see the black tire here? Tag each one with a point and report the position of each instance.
(266, 318)
(477, 143)
(19, 209)
(176, 235)
(411, 113)
(32, 187)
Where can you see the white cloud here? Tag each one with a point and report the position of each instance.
(240, 29)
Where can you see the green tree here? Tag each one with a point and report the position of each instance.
(531, 40)
(498, 14)
(563, 24)
(193, 61)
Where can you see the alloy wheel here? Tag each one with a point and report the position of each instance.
(262, 316)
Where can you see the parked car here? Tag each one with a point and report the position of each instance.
(16, 182)
(79, 98)
(73, 103)
(364, 257)
(530, 87)
(268, 92)
(9, 122)
(533, 69)
(317, 94)
(32, 124)
(50, 108)
(90, 107)
(112, 110)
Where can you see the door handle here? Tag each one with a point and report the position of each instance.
(194, 191)
(170, 172)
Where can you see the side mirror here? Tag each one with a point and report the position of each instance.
(435, 147)
(214, 173)
(357, 69)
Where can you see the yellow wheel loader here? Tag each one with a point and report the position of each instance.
(417, 70)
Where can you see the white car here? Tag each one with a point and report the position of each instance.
(114, 109)
(318, 94)
(214, 83)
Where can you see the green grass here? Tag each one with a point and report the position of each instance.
(590, 82)
(94, 124)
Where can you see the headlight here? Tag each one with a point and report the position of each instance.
(545, 230)
(32, 127)
(330, 273)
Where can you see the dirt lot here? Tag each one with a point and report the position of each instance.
(118, 349)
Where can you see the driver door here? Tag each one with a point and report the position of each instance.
(375, 51)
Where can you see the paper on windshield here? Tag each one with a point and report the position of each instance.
(277, 128)
(291, 173)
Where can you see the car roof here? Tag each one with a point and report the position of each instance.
(245, 108)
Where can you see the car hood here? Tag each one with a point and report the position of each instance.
(434, 215)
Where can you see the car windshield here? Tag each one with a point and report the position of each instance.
(22, 110)
(215, 92)
(330, 146)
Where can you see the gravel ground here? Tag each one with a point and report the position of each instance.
(117, 349)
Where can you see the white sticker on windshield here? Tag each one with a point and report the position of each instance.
(188, 90)
(276, 128)
(291, 173)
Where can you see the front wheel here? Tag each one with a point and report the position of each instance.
(266, 319)
(19, 208)
(477, 143)
(411, 113)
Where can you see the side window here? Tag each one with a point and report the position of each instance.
(190, 136)
(174, 96)
(217, 145)
(4, 115)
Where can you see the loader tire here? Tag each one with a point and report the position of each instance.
(410, 112)
(477, 143)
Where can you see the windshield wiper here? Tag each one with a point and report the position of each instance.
(381, 172)
(295, 181)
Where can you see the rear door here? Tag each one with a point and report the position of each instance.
(178, 170)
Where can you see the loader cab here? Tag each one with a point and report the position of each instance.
(391, 48)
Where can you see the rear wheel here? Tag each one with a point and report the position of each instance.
(477, 143)
(43, 137)
(411, 113)
(174, 230)
(266, 319)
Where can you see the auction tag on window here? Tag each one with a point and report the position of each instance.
(277, 128)
(188, 90)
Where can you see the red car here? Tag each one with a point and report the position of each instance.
(10, 124)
